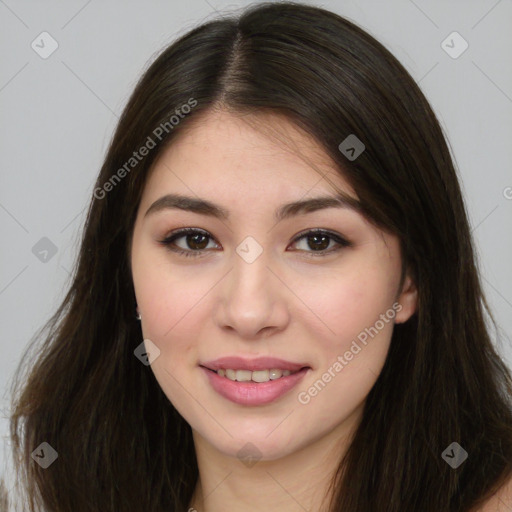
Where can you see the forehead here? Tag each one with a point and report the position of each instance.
(253, 153)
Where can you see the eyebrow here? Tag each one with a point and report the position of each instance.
(205, 207)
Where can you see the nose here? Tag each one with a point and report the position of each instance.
(252, 300)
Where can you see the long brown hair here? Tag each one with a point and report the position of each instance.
(121, 444)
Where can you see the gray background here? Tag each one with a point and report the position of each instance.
(58, 114)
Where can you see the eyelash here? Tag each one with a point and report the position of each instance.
(168, 241)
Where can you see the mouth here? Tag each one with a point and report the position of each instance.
(253, 382)
(266, 375)
(260, 369)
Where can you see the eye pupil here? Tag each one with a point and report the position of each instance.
(324, 244)
(197, 245)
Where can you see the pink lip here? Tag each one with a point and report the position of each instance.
(259, 363)
(253, 393)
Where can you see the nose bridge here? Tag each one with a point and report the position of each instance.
(251, 299)
(250, 273)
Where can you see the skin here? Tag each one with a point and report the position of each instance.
(284, 304)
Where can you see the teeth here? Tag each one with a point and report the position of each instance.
(275, 374)
(256, 376)
(260, 376)
(243, 375)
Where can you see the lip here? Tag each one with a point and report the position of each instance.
(259, 363)
(253, 393)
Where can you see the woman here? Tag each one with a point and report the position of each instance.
(276, 304)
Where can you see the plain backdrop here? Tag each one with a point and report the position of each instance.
(58, 114)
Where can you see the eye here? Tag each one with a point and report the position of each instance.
(196, 242)
(195, 238)
(319, 240)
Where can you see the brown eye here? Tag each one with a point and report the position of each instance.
(318, 241)
(196, 241)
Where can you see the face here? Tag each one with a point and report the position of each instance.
(318, 290)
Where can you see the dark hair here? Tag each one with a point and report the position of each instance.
(121, 443)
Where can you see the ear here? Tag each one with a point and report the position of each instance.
(408, 300)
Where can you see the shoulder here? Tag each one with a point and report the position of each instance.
(501, 501)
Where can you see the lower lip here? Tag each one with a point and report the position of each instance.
(253, 393)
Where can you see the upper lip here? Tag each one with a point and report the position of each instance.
(259, 363)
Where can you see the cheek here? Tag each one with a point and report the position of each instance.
(175, 307)
(354, 340)
(344, 304)
(166, 297)
(170, 309)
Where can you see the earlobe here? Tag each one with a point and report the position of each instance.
(408, 300)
